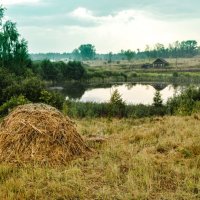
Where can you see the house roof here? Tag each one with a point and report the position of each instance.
(160, 60)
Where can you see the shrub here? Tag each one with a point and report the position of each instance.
(157, 100)
(116, 105)
(175, 74)
(185, 103)
(13, 102)
(134, 74)
(52, 98)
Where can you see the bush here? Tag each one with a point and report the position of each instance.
(175, 74)
(185, 103)
(34, 90)
(157, 100)
(13, 102)
(52, 98)
(116, 105)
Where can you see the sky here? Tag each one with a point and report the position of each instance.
(110, 25)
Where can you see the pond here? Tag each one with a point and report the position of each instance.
(132, 93)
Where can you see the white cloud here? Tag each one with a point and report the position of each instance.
(84, 14)
(128, 29)
(13, 2)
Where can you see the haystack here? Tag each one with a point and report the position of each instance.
(38, 133)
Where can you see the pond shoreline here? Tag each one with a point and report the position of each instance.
(131, 92)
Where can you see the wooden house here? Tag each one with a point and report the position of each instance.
(159, 63)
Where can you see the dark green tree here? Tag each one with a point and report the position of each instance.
(49, 70)
(13, 50)
(87, 51)
(157, 100)
(110, 57)
(76, 54)
(74, 70)
(128, 54)
(116, 105)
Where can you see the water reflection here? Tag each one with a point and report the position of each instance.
(131, 93)
(74, 90)
(137, 94)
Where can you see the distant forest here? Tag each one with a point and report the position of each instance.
(183, 49)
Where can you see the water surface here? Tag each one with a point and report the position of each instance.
(135, 94)
(141, 93)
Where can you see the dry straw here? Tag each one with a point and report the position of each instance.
(40, 134)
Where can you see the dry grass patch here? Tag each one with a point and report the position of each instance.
(142, 159)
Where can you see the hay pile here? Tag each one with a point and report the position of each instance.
(38, 133)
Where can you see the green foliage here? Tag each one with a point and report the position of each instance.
(13, 51)
(133, 74)
(52, 98)
(13, 102)
(128, 54)
(65, 108)
(157, 100)
(60, 71)
(74, 70)
(29, 87)
(49, 71)
(186, 153)
(186, 103)
(76, 54)
(175, 74)
(90, 109)
(116, 98)
(33, 89)
(18, 80)
(116, 104)
(87, 51)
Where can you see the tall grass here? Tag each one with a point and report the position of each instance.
(90, 109)
(152, 158)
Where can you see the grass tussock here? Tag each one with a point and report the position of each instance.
(153, 158)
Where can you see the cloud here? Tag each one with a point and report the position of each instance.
(14, 2)
(84, 15)
(60, 25)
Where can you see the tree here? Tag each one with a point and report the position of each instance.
(116, 104)
(76, 54)
(87, 51)
(147, 51)
(110, 54)
(160, 49)
(191, 47)
(74, 70)
(128, 54)
(157, 100)
(49, 71)
(13, 50)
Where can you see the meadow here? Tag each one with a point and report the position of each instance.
(182, 70)
(149, 158)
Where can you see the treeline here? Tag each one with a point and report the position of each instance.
(188, 48)
(59, 71)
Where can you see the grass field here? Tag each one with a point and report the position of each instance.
(187, 70)
(180, 63)
(152, 158)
